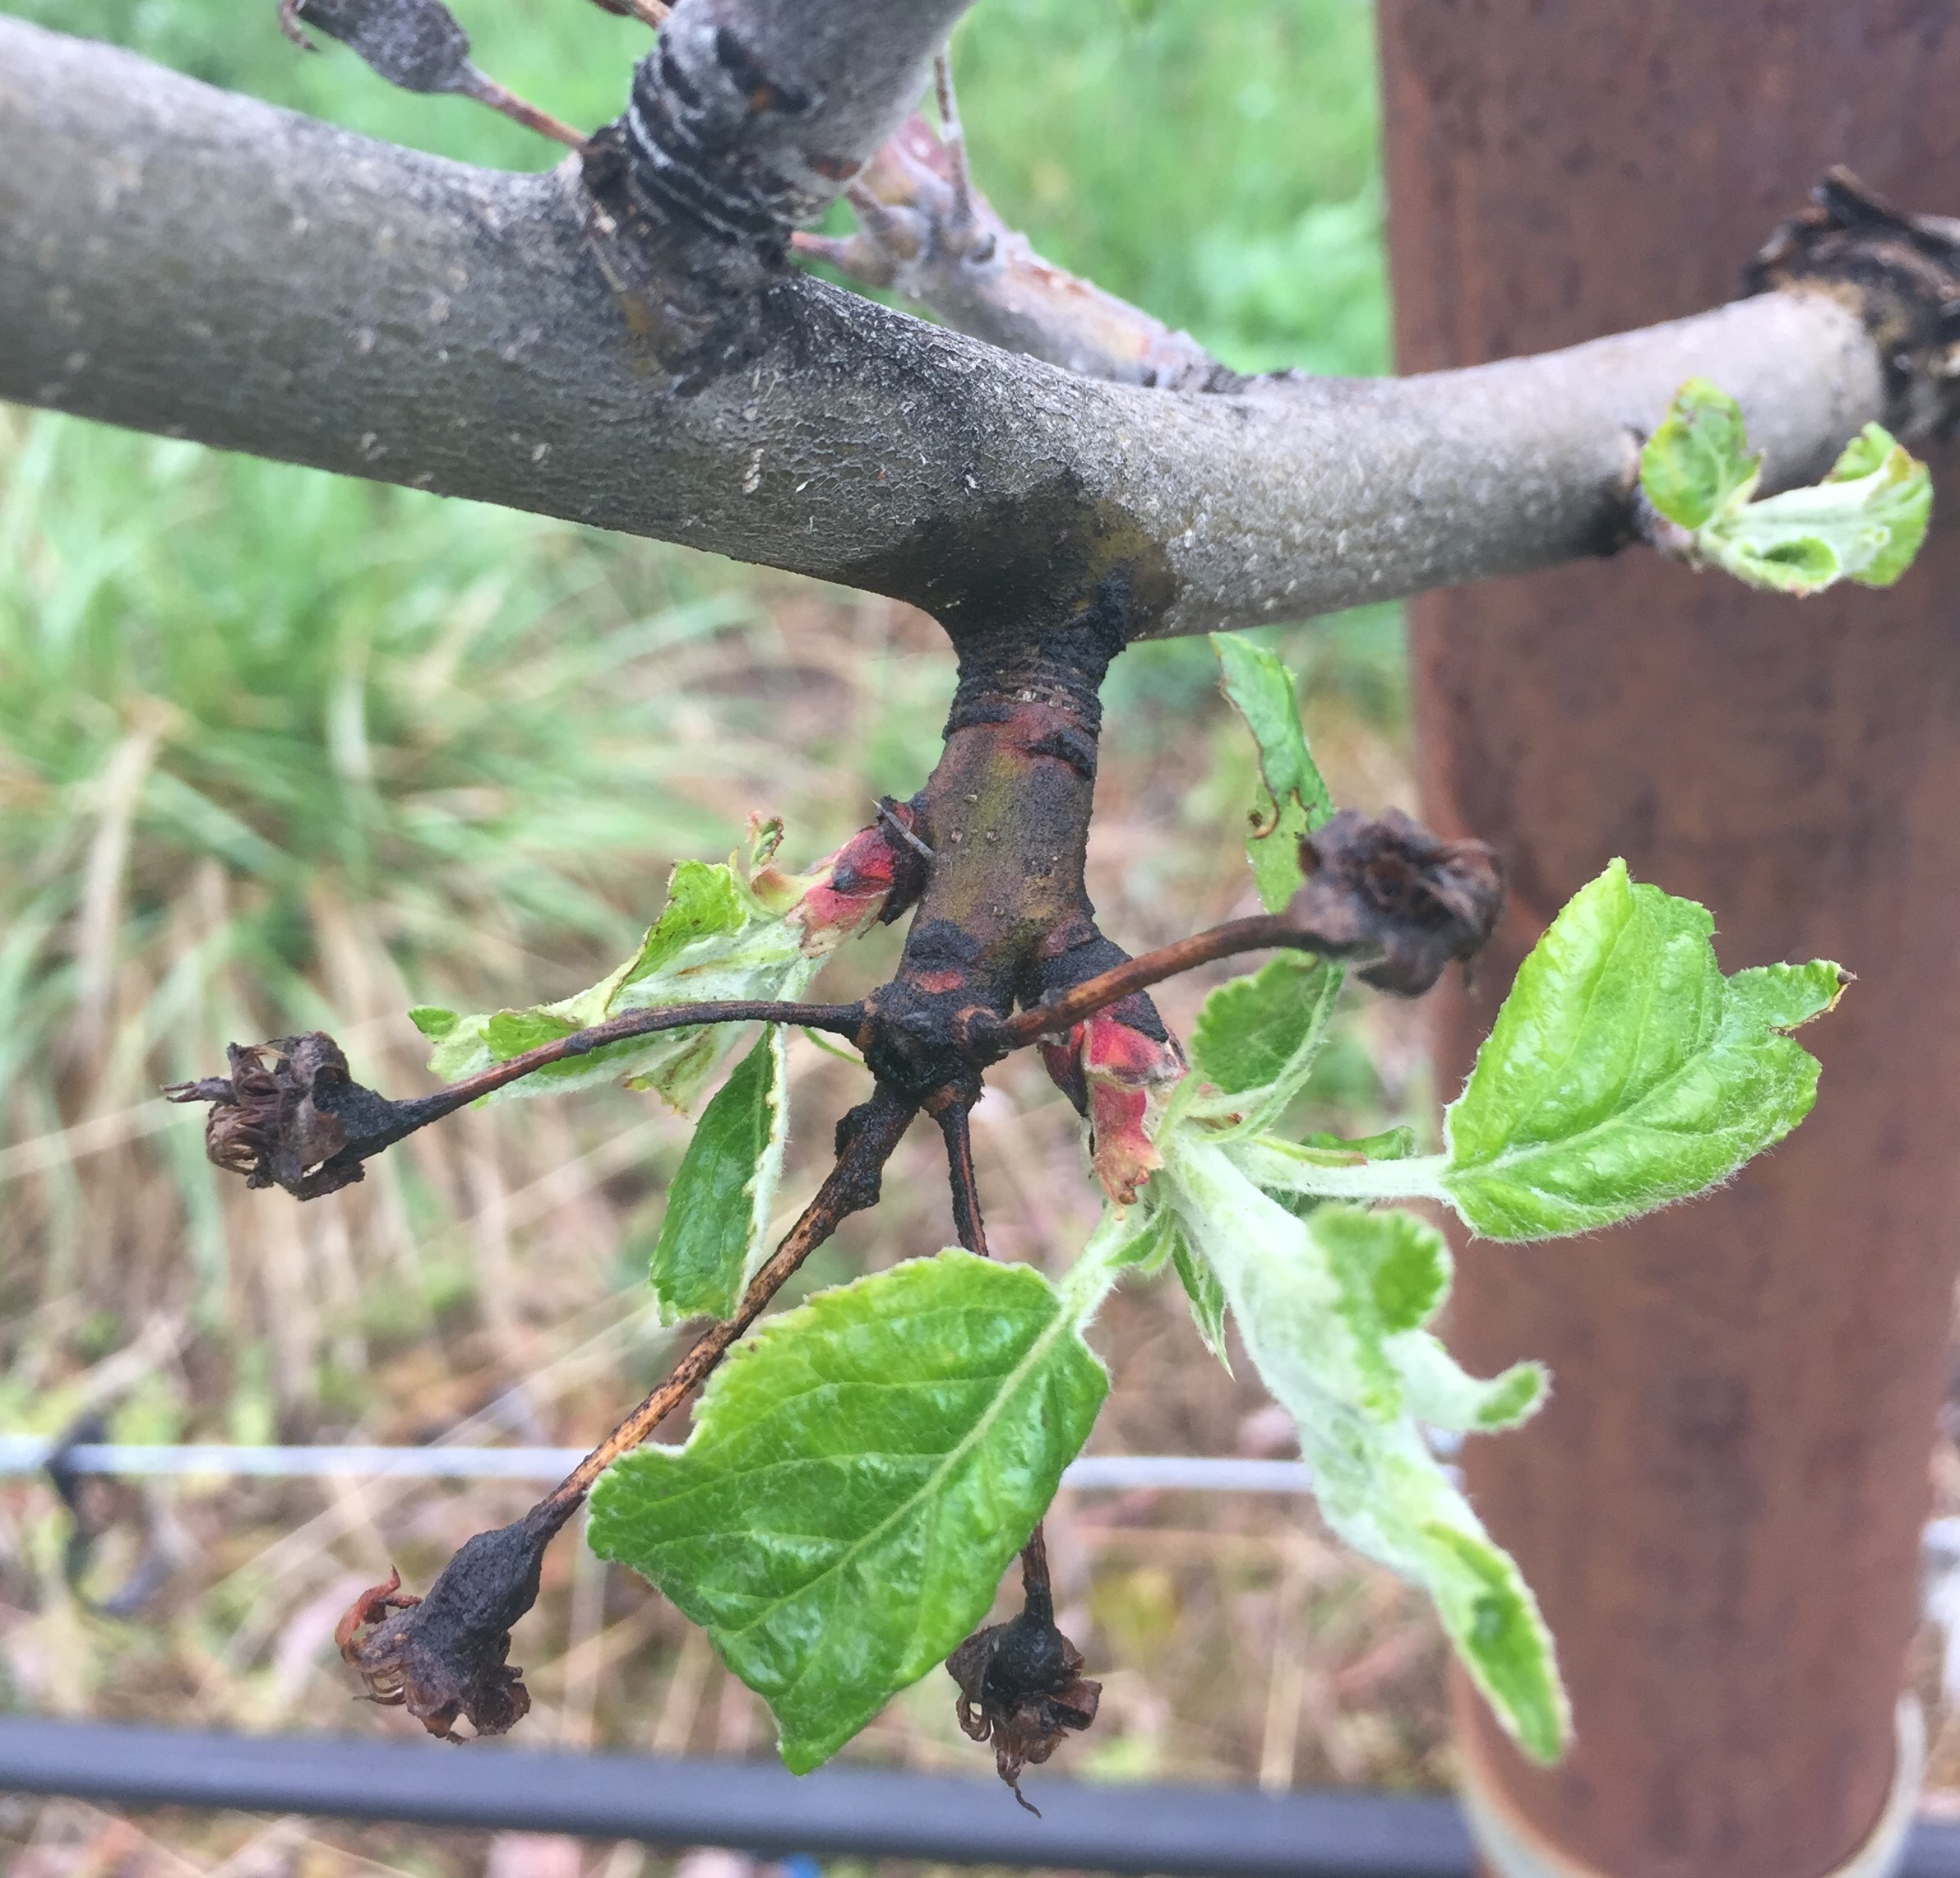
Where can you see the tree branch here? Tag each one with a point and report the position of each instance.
(188, 261)
(947, 249)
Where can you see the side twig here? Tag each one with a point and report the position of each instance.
(443, 1656)
(300, 1121)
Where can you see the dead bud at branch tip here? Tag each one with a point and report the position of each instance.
(419, 46)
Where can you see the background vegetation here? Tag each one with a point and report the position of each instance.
(280, 752)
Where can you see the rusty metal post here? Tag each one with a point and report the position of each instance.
(1721, 1508)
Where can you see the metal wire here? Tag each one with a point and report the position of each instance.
(29, 1454)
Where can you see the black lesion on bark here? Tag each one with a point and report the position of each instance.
(1025, 568)
(1901, 274)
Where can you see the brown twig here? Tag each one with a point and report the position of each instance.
(653, 12)
(1060, 1015)
(302, 1122)
(866, 1139)
(444, 1657)
(953, 1116)
(486, 90)
(841, 1020)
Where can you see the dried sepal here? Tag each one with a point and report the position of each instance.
(442, 1656)
(1391, 886)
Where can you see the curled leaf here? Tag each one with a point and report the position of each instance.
(1864, 522)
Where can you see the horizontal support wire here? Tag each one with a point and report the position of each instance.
(1119, 1473)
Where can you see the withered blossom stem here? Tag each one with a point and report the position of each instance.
(1037, 1593)
(486, 90)
(953, 136)
(1060, 1015)
(954, 1123)
(852, 1186)
(842, 1020)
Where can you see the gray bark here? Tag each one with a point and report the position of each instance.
(185, 261)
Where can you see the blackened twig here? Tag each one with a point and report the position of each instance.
(952, 1115)
(865, 1138)
(443, 1656)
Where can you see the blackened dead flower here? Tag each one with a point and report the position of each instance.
(1021, 1684)
(1391, 886)
(288, 1115)
(442, 1656)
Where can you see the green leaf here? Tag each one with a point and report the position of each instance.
(703, 902)
(1253, 1029)
(1330, 1308)
(1864, 522)
(1205, 1296)
(1697, 463)
(1437, 1392)
(711, 942)
(860, 1473)
(1624, 1071)
(510, 1032)
(1292, 799)
(1495, 1623)
(433, 1021)
(713, 1235)
(1258, 1037)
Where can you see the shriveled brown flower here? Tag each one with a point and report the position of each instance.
(442, 1656)
(1392, 886)
(289, 1115)
(1021, 1684)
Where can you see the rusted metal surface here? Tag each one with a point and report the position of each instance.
(1720, 1507)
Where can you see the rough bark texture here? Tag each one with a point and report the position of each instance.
(180, 259)
(1720, 1507)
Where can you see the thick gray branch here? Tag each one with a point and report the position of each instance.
(185, 261)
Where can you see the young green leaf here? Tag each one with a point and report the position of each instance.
(710, 942)
(1698, 462)
(1864, 522)
(1292, 798)
(1263, 1030)
(719, 1206)
(1205, 1296)
(860, 1473)
(1330, 1307)
(1625, 1070)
